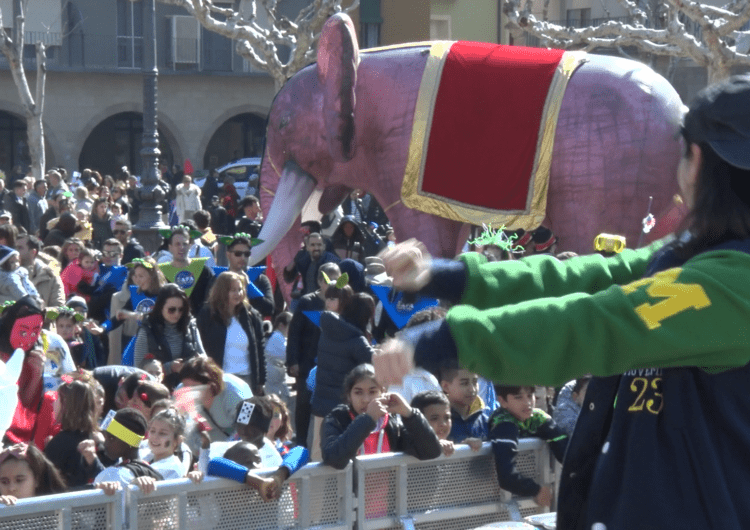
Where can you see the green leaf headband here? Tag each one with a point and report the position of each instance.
(342, 281)
(498, 238)
(166, 233)
(54, 312)
(5, 305)
(140, 261)
(228, 240)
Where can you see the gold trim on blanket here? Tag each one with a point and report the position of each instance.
(536, 204)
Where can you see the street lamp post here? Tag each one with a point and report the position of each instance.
(150, 192)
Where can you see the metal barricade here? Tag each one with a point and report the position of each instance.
(86, 510)
(459, 491)
(315, 497)
(378, 491)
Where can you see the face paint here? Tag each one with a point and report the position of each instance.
(167, 443)
(25, 332)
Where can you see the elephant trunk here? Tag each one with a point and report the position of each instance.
(295, 186)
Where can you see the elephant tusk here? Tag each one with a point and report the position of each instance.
(385, 210)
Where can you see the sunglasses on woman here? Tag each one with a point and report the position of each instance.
(241, 253)
(174, 309)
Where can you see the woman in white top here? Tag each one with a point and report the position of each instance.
(231, 331)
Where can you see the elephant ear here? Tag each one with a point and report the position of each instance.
(338, 57)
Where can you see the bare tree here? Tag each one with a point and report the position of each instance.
(264, 45)
(678, 28)
(11, 46)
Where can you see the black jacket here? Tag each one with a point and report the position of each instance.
(341, 436)
(213, 332)
(132, 250)
(302, 339)
(62, 450)
(341, 347)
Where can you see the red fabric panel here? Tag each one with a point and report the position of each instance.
(485, 124)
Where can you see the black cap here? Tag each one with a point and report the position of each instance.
(720, 117)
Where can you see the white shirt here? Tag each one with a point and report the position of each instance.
(235, 350)
(276, 346)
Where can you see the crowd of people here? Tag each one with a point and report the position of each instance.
(138, 368)
(142, 366)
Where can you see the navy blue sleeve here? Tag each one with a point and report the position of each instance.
(556, 437)
(448, 280)
(433, 344)
(504, 438)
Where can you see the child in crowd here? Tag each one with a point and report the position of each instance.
(153, 366)
(252, 423)
(569, 403)
(436, 409)
(518, 418)
(165, 435)
(122, 437)
(83, 269)
(280, 429)
(468, 414)
(25, 472)
(76, 409)
(85, 347)
(276, 357)
(373, 422)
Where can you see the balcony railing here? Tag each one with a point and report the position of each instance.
(86, 51)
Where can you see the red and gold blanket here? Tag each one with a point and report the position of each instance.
(483, 132)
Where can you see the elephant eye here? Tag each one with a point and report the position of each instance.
(284, 121)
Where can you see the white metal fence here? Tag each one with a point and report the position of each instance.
(375, 492)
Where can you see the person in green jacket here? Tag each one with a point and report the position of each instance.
(664, 329)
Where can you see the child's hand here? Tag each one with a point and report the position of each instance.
(8, 500)
(269, 489)
(544, 497)
(93, 327)
(376, 408)
(474, 443)
(447, 447)
(98, 437)
(108, 487)
(195, 476)
(147, 484)
(87, 448)
(397, 405)
(177, 365)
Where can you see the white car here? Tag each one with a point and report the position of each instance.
(245, 172)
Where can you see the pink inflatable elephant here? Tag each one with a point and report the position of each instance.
(346, 123)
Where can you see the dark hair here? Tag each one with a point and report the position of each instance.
(358, 311)
(285, 317)
(77, 407)
(172, 416)
(260, 420)
(249, 200)
(9, 232)
(358, 373)
(202, 219)
(205, 371)
(112, 242)
(167, 291)
(429, 397)
(181, 230)
(426, 315)
(285, 429)
(24, 306)
(39, 183)
(448, 370)
(32, 241)
(19, 183)
(136, 384)
(48, 478)
(93, 216)
(133, 420)
(342, 294)
(244, 454)
(241, 239)
(721, 209)
(504, 391)
(68, 224)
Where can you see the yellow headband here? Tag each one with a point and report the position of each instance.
(118, 430)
